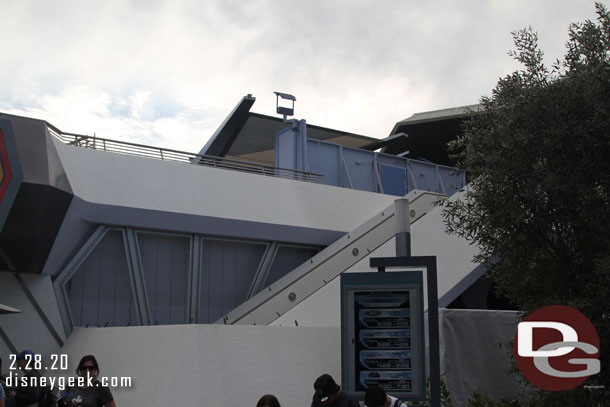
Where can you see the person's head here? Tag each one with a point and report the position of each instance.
(23, 357)
(88, 367)
(326, 390)
(268, 400)
(375, 396)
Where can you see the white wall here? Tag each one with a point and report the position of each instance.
(27, 330)
(233, 365)
(210, 365)
(122, 180)
(428, 238)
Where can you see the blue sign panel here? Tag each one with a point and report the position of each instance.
(382, 333)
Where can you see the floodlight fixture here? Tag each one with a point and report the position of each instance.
(285, 108)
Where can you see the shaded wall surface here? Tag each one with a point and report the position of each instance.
(474, 355)
(30, 219)
(38, 326)
(210, 365)
(225, 365)
(455, 267)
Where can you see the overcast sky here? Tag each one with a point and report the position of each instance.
(167, 73)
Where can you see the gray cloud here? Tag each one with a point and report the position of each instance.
(132, 69)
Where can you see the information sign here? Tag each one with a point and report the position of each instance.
(383, 333)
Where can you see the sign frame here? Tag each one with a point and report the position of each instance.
(427, 263)
(400, 284)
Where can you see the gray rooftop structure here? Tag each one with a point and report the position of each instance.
(250, 136)
(429, 132)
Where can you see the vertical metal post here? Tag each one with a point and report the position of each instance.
(302, 146)
(403, 227)
(136, 272)
(193, 279)
(433, 335)
(263, 269)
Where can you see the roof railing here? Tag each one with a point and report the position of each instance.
(166, 154)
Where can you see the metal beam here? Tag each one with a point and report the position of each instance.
(266, 306)
(39, 310)
(8, 341)
(377, 175)
(136, 276)
(263, 269)
(194, 289)
(68, 272)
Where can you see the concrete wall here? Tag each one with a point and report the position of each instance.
(136, 182)
(38, 159)
(140, 192)
(455, 269)
(210, 365)
(233, 365)
(28, 329)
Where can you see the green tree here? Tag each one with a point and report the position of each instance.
(538, 203)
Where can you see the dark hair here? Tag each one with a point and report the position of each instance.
(374, 396)
(326, 385)
(268, 400)
(85, 359)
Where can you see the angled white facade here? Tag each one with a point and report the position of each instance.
(150, 258)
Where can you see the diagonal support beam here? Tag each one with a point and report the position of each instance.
(268, 305)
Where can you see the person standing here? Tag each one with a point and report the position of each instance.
(375, 396)
(88, 396)
(2, 395)
(268, 400)
(329, 394)
(26, 396)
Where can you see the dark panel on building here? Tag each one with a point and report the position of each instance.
(11, 175)
(165, 264)
(33, 224)
(482, 294)
(287, 259)
(227, 270)
(223, 139)
(100, 292)
(259, 130)
(427, 140)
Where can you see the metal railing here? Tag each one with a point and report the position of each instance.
(141, 150)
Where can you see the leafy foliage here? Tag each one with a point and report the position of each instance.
(538, 204)
(445, 396)
(483, 400)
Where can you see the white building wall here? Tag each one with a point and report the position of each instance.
(233, 365)
(428, 238)
(210, 365)
(167, 186)
(27, 329)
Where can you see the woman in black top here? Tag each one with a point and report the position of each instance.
(88, 396)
